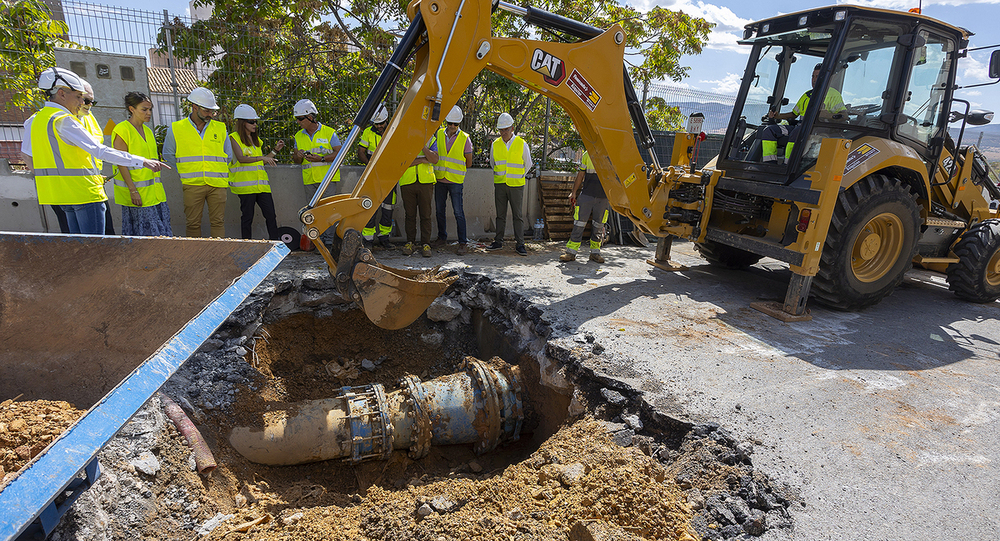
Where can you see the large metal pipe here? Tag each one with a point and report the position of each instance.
(482, 405)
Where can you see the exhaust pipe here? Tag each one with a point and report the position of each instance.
(482, 405)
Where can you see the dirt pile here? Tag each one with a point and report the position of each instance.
(579, 474)
(28, 427)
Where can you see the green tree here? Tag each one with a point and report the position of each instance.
(270, 53)
(28, 39)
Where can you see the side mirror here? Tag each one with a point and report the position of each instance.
(995, 65)
(978, 117)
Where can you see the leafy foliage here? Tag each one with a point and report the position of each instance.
(28, 38)
(270, 53)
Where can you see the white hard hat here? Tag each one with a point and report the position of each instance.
(245, 112)
(304, 107)
(203, 97)
(54, 77)
(505, 121)
(381, 114)
(455, 115)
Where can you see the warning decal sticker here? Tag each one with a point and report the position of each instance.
(582, 88)
(859, 156)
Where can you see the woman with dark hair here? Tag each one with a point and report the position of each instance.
(247, 178)
(139, 191)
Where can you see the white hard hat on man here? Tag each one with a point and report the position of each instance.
(505, 121)
(203, 97)
(455, 115)
(55, 77)
(304, 107)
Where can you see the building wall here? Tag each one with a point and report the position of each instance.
(22, 212)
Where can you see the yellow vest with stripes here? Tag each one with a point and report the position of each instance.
(451, 163)
(64, 174)
(147, 182)
(422, 173)
(319, 143)
(95, 131)
(508, 164)
(245, 178)
(201, 161)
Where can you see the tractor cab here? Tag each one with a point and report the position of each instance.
(839, 72)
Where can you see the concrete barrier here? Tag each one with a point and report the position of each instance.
(21, 211)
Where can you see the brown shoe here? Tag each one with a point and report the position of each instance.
(409, 248)
(596, 257)
(567, 257)
(462, 249)
(426, 252)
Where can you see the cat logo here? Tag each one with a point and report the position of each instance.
(553, 69)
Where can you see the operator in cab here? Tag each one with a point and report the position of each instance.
(771, 134)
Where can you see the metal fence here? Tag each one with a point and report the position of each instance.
(245, 66)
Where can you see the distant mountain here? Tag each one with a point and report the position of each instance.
(989, 145)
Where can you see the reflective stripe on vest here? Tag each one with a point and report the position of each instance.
(451, 163)
(147, 182)
(64, 173)
(201, 160)
(319, 143)
(247, 178)
(508, 164)
(96, 133)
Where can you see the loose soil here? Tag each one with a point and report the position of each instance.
(26, 428)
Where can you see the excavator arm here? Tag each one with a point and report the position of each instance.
(450, 43)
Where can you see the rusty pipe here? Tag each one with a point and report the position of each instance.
(204, 461)
(482, 405)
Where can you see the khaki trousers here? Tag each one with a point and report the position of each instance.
(195, 198)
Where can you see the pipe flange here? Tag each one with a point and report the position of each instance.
(489, 416)
(368, 420)
(514, 400)
(422, 429)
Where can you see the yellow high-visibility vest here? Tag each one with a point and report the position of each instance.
(247, 178)
(422, 173)
(146, 181)
(319, 143)
(64, 174)
(451, 163)
(95, 131)
(508, 164)
(201, 161)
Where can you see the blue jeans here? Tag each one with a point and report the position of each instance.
(441, 192)
(86, 219)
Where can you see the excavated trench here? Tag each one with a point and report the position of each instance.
(591, 460)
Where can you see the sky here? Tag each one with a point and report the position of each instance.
(722, 61)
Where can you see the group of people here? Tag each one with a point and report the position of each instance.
(64, 146)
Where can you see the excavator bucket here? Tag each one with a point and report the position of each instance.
(394, 298)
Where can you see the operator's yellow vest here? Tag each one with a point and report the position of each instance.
(451, 163)
(246, 178)
(95, 131)
(508, 165)
(319, 143)
(201, 161)
(64, 174)
(146, 181)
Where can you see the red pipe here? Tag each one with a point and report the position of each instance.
(204, 461)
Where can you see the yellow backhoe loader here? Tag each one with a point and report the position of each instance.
(867, 182)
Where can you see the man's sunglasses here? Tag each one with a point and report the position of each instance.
(88, 101)
(453, 123)
(303, 117)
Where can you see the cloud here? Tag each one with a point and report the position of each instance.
(728, 26)
(730, 84)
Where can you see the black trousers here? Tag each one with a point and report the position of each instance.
(266, 204)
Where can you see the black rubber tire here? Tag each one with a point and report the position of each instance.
(722, 255)
(971, 277)
(838, 284)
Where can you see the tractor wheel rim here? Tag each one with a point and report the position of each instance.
(877, 247)
(993, 269)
